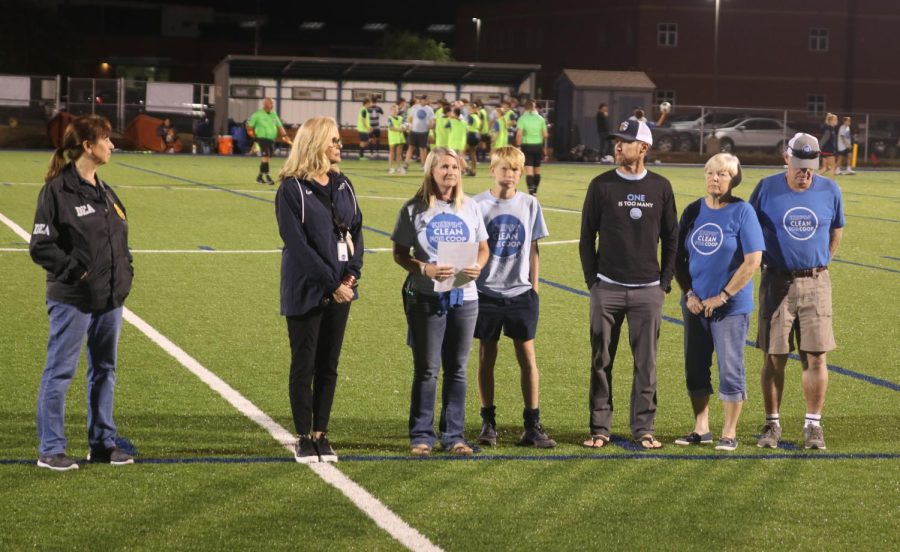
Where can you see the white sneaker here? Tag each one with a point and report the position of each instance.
(401, 170)
(838, 172)
(391, 171)
(849, 171)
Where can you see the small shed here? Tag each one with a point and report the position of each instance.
(304, 87)
(578, 94)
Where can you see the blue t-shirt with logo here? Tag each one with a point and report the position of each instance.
(422, 228)
(797, 225)
(420, 118)
(512, 225)
(716, 246)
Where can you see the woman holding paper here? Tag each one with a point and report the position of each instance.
(441, 241)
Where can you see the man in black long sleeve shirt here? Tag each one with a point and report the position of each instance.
(631, 210)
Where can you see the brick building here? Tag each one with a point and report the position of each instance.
(812, 55)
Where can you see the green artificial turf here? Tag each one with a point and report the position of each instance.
(222, 309)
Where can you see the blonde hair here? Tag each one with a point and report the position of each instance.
(510, 155)
(831, 117)
(309, 154)
(428, 190)
(89, 128)
(729, 163)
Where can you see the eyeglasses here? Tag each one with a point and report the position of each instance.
(336, 143)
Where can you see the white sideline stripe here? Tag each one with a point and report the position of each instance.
(559, 242)
(371, 506)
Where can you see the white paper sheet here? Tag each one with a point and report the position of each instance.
(459, 256)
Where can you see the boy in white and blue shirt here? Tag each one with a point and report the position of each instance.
(508, 292)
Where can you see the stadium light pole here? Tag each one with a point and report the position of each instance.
(716, 55)
(477, 22)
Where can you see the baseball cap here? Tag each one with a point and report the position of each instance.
(632, 130)
(803, 151)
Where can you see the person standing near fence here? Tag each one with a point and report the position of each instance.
(364, 127)
(265, 127)
(802, 218)
(321, 225)
(80, 238)
(603, 133)
(375, 113)
(845, 148)
(531, 137)
(828, 145)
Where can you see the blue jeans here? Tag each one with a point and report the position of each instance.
(439, 339)
(68, 327)
(725, 335)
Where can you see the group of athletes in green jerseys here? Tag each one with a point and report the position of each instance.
(470, 128)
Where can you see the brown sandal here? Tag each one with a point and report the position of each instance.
(461, 449)
(421, 449)
(649, 442)
(596, 441)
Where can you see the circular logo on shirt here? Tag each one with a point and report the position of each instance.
(506, 234)
(800, 223)
(446, 227)
(420, 114)
(707, 239)
(635, 213)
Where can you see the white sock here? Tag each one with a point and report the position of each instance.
(773, 419)
(813, 420)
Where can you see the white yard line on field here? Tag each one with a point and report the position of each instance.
(404, 533)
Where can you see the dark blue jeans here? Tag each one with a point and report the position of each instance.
(439, 339)
(68, 327)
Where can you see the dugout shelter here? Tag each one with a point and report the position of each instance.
(305, 87)
(579, 92)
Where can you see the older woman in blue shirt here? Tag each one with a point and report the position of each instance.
(719, 248)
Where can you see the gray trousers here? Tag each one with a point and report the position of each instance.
(610, 305)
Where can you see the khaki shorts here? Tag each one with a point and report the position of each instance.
(795, 310)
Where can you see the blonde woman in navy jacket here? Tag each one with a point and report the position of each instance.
(321, 226)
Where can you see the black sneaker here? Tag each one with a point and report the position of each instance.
(537, 437)
(269, 180)
(57, 462)
(305, 451)
(260, 179)
(488, 435)
(114, 456)
(326, 453)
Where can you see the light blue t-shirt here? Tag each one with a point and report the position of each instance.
(512, 225)
(716, 247)
(420, 117)
(422, 228)
(797, 225)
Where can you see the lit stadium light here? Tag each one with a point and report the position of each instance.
(312, 25)
(439, 28)
(374, 26)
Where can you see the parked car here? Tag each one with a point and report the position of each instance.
(884, 138)
(682, 132)
(760, 133)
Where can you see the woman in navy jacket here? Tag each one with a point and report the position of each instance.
(80, 238)
(321, 226)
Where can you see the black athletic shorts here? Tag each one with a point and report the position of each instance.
(376, 132)
(534, 154)
(472, 138)
(418, 139)
(516, 316)
(266, 147)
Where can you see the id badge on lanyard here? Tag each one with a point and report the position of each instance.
(342, 252)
